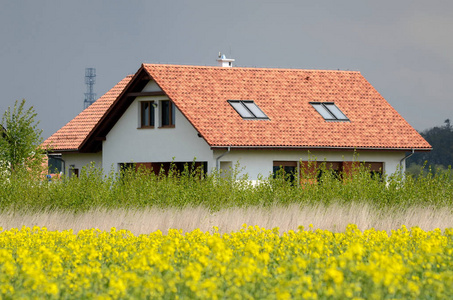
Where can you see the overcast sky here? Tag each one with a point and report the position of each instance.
(403, 48)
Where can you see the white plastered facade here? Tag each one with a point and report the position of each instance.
(77, 161)
(258, 163)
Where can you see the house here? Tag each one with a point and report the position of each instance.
(262, 118)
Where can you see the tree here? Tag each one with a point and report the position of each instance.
(441, 139)
(20, 142)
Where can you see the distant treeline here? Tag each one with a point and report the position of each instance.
(441, 157)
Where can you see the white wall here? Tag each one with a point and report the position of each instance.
(184, 145)
(127, 142)
(260, 162)
(80, 160)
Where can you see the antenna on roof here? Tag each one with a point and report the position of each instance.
(223, 61)
(90, 80)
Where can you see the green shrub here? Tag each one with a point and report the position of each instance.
(191, 187)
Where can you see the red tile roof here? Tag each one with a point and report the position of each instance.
(284, 95)
(71, 136)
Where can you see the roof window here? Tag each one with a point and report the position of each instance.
(329, 111)
(247, 109)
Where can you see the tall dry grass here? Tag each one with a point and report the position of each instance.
(334, 217)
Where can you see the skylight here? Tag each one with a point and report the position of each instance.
(329, 111)
(247, 109)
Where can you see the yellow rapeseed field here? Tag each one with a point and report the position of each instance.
(253, 263)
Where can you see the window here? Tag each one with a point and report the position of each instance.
(191, 167)
(73, 172)
(167, 114)
(329, 169)
(55, 163)
(329, 111)
(147, 114)
(247, 109)
(125, 167)
(311, 172)
(376, 170)
(339, 170)
(285, 169)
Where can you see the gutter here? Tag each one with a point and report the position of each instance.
(217, 162)
(63, 150)
(406, 157)
(324, 148)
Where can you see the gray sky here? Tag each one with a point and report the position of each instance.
(403, 48)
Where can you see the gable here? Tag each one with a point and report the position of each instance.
(129, 141)
(151, 86)
(135, 88)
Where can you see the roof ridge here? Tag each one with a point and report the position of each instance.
(248, 68)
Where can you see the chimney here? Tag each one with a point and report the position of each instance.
(224, 62)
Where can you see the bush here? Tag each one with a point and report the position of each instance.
(131, 189)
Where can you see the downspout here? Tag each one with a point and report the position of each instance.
(406, 157)
(217, 162)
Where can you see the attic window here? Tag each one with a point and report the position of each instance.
(247, 109)
(147, 114)
(167, 114)
(329, 111)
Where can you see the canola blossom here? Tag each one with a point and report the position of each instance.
(253, 263)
